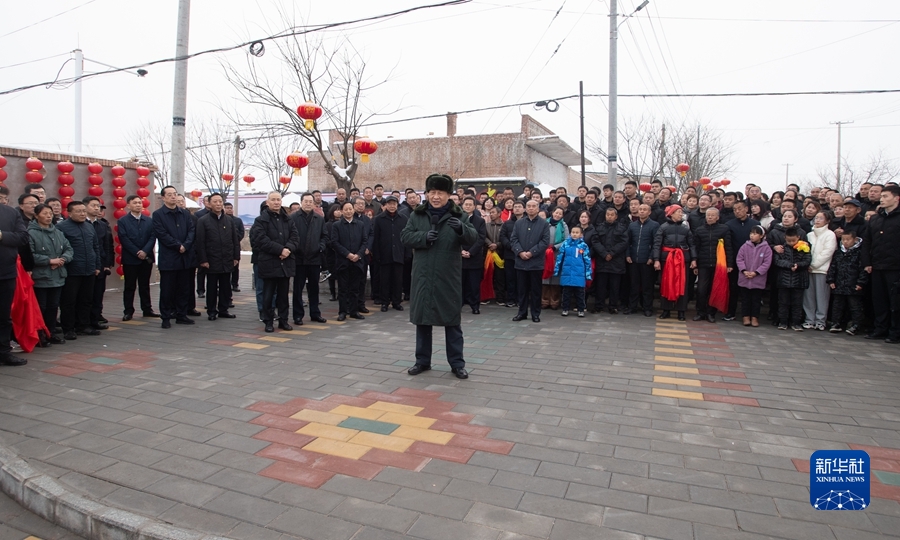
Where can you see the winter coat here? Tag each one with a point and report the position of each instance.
(674, 235)
(847, 271)
(707, 237)
(269, 235)
(86, 248)
(104, 238)
(740, 231)
(883, 241)
(640, 240)
(493, 234)
(532, 235)
(823, 244)
(506, 230)
(573, 263)
(475, 261)
(696, 219)
(311, 232)
(857, 225)
(387, 246)
(775, 236)
(753, 258)
(610, 239)
(787, 279)
(239, 227)
(349, 237)
(437, 267)
(173, 228)
(136, 234)
(561, 225)
(25, 249)
(14, 236)
(46, 244)
(587, 234)
(217, 243)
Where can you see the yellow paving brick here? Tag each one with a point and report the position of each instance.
(678, 324)
(674, 359)
(677, 394)
(320, 417)
(316, 429)
(256, 346)
(426, 435)
(275, 339)
(336, 322)
(385, 442)
(358, 412)
(677, 369)
(673, 350)
(675, 380)
(111, 328)
(337, 448)
(132, 323)
(683, 344)
(395, 407)
(676, 337)
(407, 420)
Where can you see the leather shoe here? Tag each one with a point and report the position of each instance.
(283, 325)
(460, 373)
(127, 317)
(194, 313)
(698, 317)
(342, 317)
(535, 319)
(476, 311)
(363, 310)
(665, 314)
(648, 313)
(201, 295)
(184, 321)
(876, 335)
(165, 324)
(892, 341)
(356, 316)
(235, 289)
(88, 332)
(100, 326)
(333, 298)
(70, 335)
(398, 307)
(318, 319)
(711, 318)
(226, 315)
(269, 328)
(518, 318)
(384, 308)
(103, 320)
(212, 317)
(418, 368)
(10, 360)
(298, 322)
(152, 314)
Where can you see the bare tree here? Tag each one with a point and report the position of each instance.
(332, 76)
(268, 153)
(210, 154)
(151, 144)
(877, 170)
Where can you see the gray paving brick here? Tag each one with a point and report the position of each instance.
(687, 476)
(569, 473)
(189, 449)
(375, 515)
(187, 467)
(784, 528)
(371, 533)
(567, 530)
(759, 504)
(693, 512)
(365, 489)
(468, 471)
(88, 484)
(81, 461)
(710, 532)
(243, 482)
(150, 505)
(436, 528)
(315, 500)
(764, 487)
(648, 525)
(247, 531)
(544, 454)
(184, 490)
(508, 520)
(561, 508)
(193, 518)
(245, 508)
(314, 526)
(128, 474)
(524, 482)
(504, 463)
(475, 491)
(38, 449)
(136, 454)
(613, 498)
(603, 463)
(803, 511)
(412, 479)
(191, 433)
(430, 503)
(142, 437)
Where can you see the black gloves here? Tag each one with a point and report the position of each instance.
(431, 237)
(455, 224)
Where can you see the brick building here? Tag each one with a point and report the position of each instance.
(533, 154)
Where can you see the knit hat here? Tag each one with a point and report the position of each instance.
(671, 209)
(440, 182)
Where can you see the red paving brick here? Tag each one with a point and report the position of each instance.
(64, 371)
(462, 429)
(337, 399)
(274, 408)
(395, 459)
(278, 422)
(447, 453)
(485, 445)
(720, 373)
(802, 465)
(296, 474)
(450, 416)
(750, 402)
(289, 453)
(726, 386)
(878, 451)
(720, 363)
(222, 342)
(883, 491)
(381, 396)
(888, 465)
(412, 392)
(302, 403)
(348, 467)
(284, 437)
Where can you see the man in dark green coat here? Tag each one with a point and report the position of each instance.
(435, 231)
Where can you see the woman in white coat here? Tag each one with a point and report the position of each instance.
(823, 244)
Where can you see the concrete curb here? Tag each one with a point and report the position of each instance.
(47, 498)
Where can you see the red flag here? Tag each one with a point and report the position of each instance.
(25, 311)
(487, 281)
(718, 296)
(549, 263)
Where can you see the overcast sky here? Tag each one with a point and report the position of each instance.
(487, 53)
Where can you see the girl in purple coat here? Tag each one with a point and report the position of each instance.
(753, 262)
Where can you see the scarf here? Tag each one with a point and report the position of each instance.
(558, 235)
(673, 278)
(439, 212)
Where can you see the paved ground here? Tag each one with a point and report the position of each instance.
(609, 426)
(16, 523)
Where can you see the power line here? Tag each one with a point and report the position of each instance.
(48, 18)
(34, 61)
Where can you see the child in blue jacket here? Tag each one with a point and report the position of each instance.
(573, 266)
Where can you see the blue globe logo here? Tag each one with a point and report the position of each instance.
(840, 500)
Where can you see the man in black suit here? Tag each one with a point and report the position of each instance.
(12, 236)
(241, 232)
(174, 230)
(309, 257)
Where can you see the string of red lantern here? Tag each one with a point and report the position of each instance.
(119, 203)
(65, 180)
(95, 180)
(3, 174)
(143, 183)
(34, 174)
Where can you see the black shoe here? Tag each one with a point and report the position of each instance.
(406, 298)
(876, 335)
(519, 317)
(100, 326)
(398, 307)
(70, 335)
(103, 320)
(230, 306)
(648, 313)
(680, 315)
(342, 317)
(665, 314)
(184, 321)
(57, 339)
(892, 340)
(226, 315)
(476, 311)
(333, 298)
(384, 308)
(270, 328)
(235, 289)
(298, 322)
(728, 317)
(194, 313)
(711, 318)
(698, 317)
(460, 372)
(318, 319)
(363, 310)
(535, 319)
(212, 317)
(626, 311)
(201, 294)
(283, 325)
(151, 314)
(165, 324)
(88, 332)
(357, 316)
(127, 317)
(10, 360)
(418, 368)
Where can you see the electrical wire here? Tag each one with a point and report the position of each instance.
(48, 18)
(34, 61)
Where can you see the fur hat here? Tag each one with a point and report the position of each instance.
(441, 182)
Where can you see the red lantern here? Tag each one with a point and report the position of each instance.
(95, 168)
(118, 259)
(249, 179)
(297, 161)
(118, 182)
(34, 166)
(118, 170)
(707, 187)
(66, 191)
(2, 162)
(95, 191)
(673, 189)
(95, 179)
(717, 184)
(65, 167)
(143, 192)
(3, 174)
(120, 203)
(365, 146)
(196, 193)
(143, 171)
(120, 271)
(145, 211)
(726, 182)
(694, 183)
(119, 214)
(682, 169)
(645, 187)
(310, 112)
(285, 180)
(143, 181)
(228, 177)
(705, 181)
(119, 193)
(146, 204)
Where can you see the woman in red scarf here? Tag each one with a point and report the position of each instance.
(674, 252)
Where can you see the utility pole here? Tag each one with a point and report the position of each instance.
(581, 115)
(79, 73)
(179, 106)
(238, 145)
(787, 170)
(839, 124)
(662, 152)
(613, 93)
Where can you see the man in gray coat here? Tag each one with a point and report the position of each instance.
(530, 238)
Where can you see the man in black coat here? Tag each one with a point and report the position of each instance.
(882, 260)
(136, 237)
(509, 256)
(530, 239)
(82, 271)
(309, 258)
(349, 238)
(174, 229)
(852, 220)
(107, 259)
(12, 237)
(218, 252)
(239, 228)
(389, 253)
(706, 238)
(274, 240)
(740, 226)
(473, 258)
(359, 210)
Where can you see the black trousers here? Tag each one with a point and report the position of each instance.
(97, 301)
(201, 280)
(624, 290)
(235, 277)
(192, 299)
(175, 293)
(790, 306)
(407, 276)
(218, 293)
(750, 301)
(568, 292)
(471, 286)
(375, 281)
(733, 293)
(361, 287)
(7, 291)
(499, 284)
(307, 275)
(454, 337)
(844, 301)
(48, 300)
(529, 285)
(348, 289)
(512, 280)
(137, 276)
(75, 302)
(886, 301)
(607, 284)
(643, 278)
(276, 288)
(391, 285)
(705, 277)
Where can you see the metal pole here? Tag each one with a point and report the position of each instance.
(839, 124)
(613, 96)
(581, 113)
(79, 72)
(179, 106)
(787, 171)
(237, 166)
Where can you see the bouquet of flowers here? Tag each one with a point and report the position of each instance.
(801, 246)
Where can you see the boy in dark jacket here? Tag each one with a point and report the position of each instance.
(847, 278)
(793, 279)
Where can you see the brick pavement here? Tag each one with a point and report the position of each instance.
(192, 426)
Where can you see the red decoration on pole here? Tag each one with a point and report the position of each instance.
(34, 174)
(717, 184)
(310, 112)
(196, 194)
(142, 183)
(119, 203)
(66, 180)
(645, 187)
(3, 175)
(228, 178)
(673, 189)
(365, 146)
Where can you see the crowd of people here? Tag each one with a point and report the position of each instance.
(830, 261)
